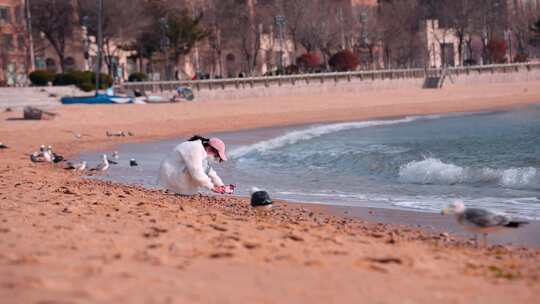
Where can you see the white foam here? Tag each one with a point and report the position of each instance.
(317, 131)
(434, 171)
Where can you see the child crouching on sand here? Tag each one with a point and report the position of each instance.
(186, 169)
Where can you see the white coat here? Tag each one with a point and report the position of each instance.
(186, 169)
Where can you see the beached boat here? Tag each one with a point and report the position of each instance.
(99, 98)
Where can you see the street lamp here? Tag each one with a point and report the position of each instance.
(280, 22)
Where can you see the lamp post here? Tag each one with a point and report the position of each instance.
(99, 43)
(280, 22)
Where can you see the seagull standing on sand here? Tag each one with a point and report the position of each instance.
(47, 155)
(103, 166)
(260, 199)
(76, 167)
(480, 220)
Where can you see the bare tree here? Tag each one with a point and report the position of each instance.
(399, 23)
(116, 15)
(56, 20)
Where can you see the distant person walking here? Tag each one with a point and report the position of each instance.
(187, 168)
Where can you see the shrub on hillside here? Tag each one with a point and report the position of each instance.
(344, 61)
(137, 76)
(41, 77)
(309, 62)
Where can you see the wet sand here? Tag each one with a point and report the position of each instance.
(65, 239)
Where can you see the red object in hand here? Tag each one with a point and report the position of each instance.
(219, 189)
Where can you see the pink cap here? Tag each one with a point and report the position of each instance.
(219, 145)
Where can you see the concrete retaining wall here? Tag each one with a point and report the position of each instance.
(335, 83)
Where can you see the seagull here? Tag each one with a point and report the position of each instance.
(260, 199)
(103, 166)
(114, 156)
(76, 167)
(3, 146)
(133, 162)
(480, 220)
(47, 156)
(34, 157)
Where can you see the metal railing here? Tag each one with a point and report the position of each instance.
(267, 81)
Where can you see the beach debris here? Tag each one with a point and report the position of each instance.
(8, 110)
(3, 146)
(479, 220)
(120, 133)
(294, 237)
(386, 260)
(77, 135)
(260, 199)
(219, 255)
(133, 163)
(32, 113)
(76, 167)
(103, 166)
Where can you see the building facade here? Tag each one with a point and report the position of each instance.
(13, 43)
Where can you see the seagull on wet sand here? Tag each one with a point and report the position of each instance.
(479, 220)
(103, 166)
(76, 167)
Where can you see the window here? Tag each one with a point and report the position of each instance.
(21, 42)
(18, 14)
(5, 14)
(7, 42)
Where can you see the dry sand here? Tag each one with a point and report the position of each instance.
(65, 239)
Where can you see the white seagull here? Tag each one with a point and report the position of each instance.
(104, 164)
(480, 220)
(76, 167)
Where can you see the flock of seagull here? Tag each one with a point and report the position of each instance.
(46, 154)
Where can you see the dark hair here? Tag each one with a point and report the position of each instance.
(205, 141)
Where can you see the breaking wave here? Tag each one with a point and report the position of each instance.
(434, 171)
(317, 131)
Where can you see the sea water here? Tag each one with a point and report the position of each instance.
(422, 163)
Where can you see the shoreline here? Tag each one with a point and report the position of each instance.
(71, 239)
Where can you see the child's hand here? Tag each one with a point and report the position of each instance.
(229, 189)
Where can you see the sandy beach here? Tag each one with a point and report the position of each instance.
(66, 239)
